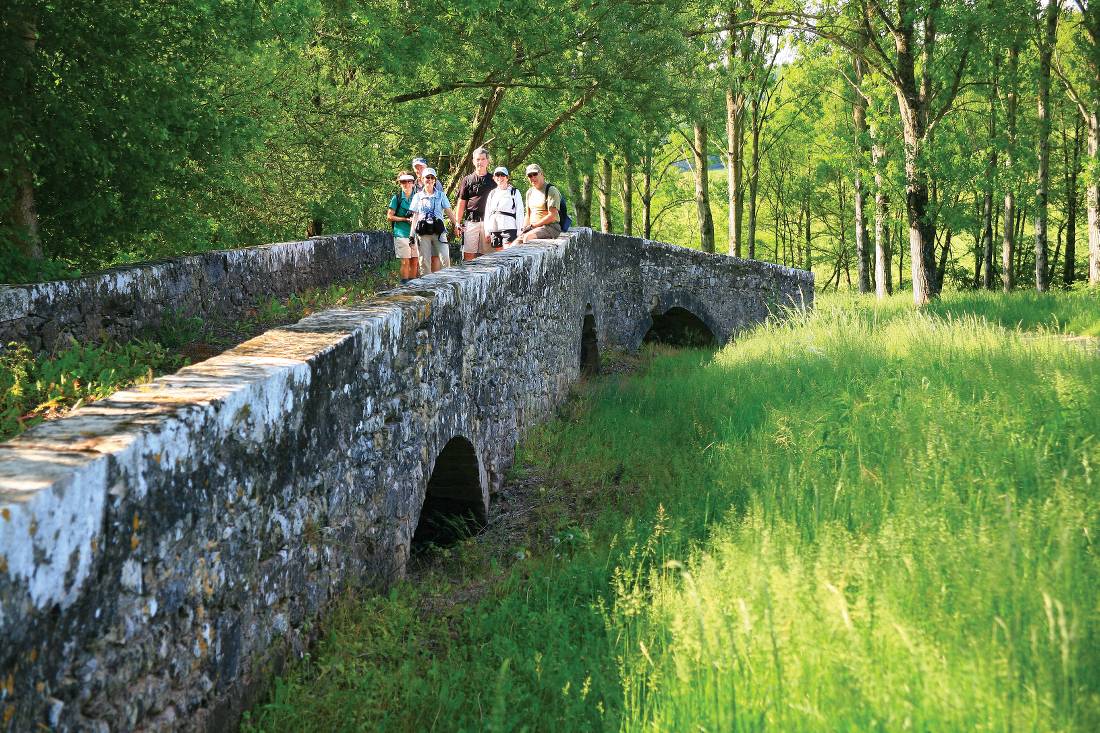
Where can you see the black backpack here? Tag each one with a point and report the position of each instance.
(563, 211)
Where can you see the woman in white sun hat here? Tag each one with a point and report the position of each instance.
(429, 207)
(504, 214)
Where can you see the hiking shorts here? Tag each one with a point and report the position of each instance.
(404, 248)
(473, 238)
(431, 246)
(546, 231)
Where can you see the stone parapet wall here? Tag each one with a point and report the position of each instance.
(161, 551)
(126, 302)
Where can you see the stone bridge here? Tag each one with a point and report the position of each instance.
(163, 551)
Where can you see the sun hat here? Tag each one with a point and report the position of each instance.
(533, 168)
(406, 177)
(500, 169)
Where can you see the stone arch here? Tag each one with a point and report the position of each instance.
(456, 500)
(680, 319)
(590, 345)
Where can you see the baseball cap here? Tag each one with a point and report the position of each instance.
(500, 169)
(429, 172)
(533, 168)
(419, 161)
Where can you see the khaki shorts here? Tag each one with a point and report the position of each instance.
(405, 248)
(430, 246)
(473, 239)
(546, 231)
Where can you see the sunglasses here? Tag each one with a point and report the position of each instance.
(500, 175)
(429, 178)
(532, 175)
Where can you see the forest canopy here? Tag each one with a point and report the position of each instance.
(882, 143)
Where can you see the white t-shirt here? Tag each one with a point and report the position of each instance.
(503, 210)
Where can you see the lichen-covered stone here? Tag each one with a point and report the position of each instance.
(126, 302)
(162, 551)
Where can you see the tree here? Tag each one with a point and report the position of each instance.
(1086, 97)
(1046, 39)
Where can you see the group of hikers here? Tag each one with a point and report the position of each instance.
(491, 214)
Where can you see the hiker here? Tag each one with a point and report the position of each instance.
(400, 217)
(429, 208)
(420, 165)
(542, 207)
(503, 211)
(473, 192)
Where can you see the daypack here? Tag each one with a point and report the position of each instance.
(515, 210)
(563, 212)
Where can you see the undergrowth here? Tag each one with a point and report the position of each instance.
(862, 518)
(34, 388)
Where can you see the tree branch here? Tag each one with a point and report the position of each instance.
(555, 124)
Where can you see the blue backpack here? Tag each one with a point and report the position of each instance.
(563, 211)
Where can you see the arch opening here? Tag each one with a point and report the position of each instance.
(590, 348)
(453, 505)
(680, 327)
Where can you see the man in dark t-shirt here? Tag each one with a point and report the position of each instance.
(473, 194)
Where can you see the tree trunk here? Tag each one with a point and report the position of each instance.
(987, 230)
(487, 109)
(1072, 168)
(628, 194)
(754, 175)
(606, 224)
(702, 188)
(901, 259)
(735, 103)
(882, 245)
(647, 192)
(809, 266)
(859, 118)
(1046, 49)
(986, 261)
(941, 269)
(1008, 240)
(584, 203)
(23, 214)
(1092, 201)
(912, 104)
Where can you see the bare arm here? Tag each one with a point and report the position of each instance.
(391, 216)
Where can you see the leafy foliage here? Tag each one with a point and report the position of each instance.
(33, 389)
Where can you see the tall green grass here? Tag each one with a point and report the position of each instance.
(865, 518)
(906, 535)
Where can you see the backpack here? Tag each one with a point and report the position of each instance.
(515, 211)
(397, 211)
(563, 211)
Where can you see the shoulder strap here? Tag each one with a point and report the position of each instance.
(402, 200)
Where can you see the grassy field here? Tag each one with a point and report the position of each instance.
(865, 518)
